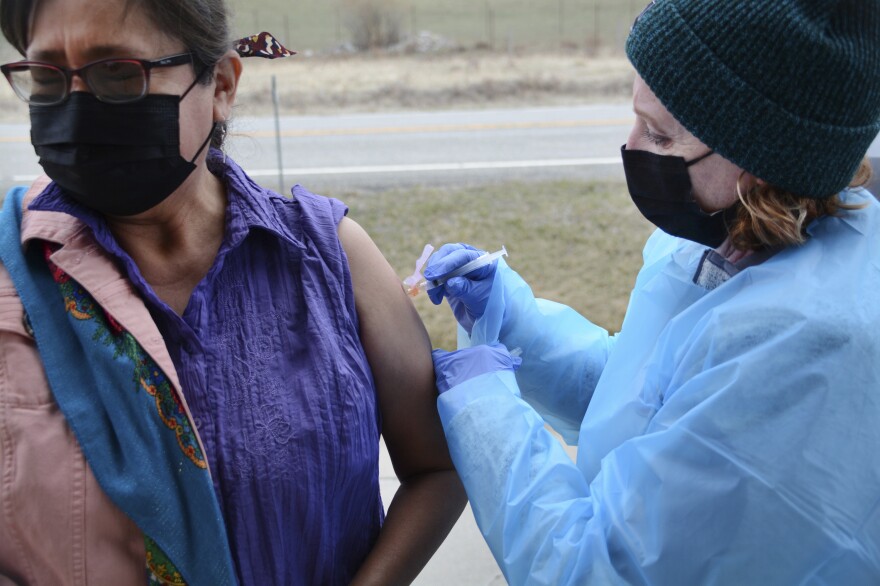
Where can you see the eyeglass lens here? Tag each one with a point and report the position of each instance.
(111, 81)
(117, 81)
(39, 85)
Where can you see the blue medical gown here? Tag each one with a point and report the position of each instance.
(729, 436)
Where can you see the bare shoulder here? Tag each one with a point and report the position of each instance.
(399, 352)
(364, 257)
(383, 306)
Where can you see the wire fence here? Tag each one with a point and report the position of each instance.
(322, 25)
(325, 26)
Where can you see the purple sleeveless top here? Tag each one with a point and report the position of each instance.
(271, 364)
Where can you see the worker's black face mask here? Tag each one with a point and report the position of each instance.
(660, 186)
(117, 159)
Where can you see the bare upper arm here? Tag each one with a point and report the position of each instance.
(399, 352)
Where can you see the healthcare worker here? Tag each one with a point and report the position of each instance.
(730, 433)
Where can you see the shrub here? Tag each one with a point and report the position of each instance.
(373, 24)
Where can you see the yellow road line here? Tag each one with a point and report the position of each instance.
(441, 128)
(413, 129)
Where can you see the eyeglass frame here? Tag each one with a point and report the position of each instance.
(146, 66)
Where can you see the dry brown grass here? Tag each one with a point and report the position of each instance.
(382, 82)
(575, 242)
(466, 79)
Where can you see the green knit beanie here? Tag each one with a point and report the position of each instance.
(788, 90)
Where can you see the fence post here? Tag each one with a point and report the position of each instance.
(413, 20)
(278, 137)
(490, 25)
(561, 16)
(596, 41)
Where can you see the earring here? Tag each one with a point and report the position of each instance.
(220, 132)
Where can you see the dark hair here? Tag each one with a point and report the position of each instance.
(202, 25)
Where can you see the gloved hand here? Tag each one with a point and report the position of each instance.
(454, 368)
(467, 294)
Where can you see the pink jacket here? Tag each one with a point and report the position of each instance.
(57, 526)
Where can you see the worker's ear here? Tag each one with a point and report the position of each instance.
(748, 181)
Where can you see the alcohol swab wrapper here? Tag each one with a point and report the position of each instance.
(466, 268)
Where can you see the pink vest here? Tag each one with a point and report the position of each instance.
(57, 527)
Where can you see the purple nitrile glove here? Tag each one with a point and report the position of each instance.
(467, 294)
(454, 368)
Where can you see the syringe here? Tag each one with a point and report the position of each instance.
(466, 268)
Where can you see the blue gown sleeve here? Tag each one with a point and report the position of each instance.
(563, 352)
(759, 465)
(527, 496)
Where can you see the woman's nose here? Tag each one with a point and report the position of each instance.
(78, 84)
(631, 140)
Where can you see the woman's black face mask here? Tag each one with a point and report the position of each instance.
(117, 159)
(661, 188)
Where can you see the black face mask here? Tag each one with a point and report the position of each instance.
(660, 186)
(117, 159)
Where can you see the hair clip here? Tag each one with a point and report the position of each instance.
(262, 45)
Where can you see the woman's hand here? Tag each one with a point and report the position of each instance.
(454, 368)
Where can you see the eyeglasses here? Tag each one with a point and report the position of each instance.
(644, 10)
(115, 81)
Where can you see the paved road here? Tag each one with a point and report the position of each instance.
(333, 154)
(330, 154)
